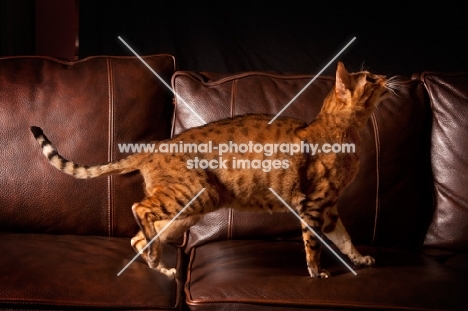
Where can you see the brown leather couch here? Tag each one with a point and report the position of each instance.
(63, 241)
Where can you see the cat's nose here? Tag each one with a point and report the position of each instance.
(381, 80)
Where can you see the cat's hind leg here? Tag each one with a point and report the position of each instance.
(139, 243)
(162, 207)
(173, 231)
(166, 232)
(146, 214)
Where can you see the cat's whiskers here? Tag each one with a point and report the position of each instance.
(393, 85)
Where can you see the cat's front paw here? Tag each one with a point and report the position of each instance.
(315, 273)
(367, 261)
(324, 274)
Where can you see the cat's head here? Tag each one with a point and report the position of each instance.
(356, 94)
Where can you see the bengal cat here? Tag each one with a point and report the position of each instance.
(309, 183)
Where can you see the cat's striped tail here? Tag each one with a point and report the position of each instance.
(122, 166)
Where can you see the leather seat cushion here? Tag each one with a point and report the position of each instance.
(272, 275)
(63, 271)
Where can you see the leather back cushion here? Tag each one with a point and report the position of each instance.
(85, 108)
(449, 98)
(383, 206)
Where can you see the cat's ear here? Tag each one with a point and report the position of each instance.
(342, 82)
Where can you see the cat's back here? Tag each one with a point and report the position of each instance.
(244, 129)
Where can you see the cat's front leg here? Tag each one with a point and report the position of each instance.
(312, 249)
(336, 232)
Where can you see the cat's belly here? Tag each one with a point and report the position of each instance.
(263, 200)
(255, 205)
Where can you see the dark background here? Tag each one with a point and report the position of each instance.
(288, 36)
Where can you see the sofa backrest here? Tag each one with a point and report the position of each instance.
(86, 109)
(390, 200)
(449, 153)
